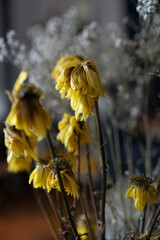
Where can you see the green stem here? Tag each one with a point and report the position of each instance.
(104, 176)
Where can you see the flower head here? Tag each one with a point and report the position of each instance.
(142, 191)
(69, 129)
(19, 144)
(19, 164)
(20, 149)
(68, 179)
(40, 174)
(82, 85)
(21, 78)
(82, 227)
(27, 113)
(66, 62)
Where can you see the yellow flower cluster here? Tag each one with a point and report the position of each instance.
(44, 176)
(80, 81)
(69, 130)
(142, 192)
(21, 149)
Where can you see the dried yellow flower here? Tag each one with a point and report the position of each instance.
(142, 192)
(82, 85)
(27, 113)
(69, 129)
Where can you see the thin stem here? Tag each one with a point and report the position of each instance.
(91, 182)
(148, 164)
(156, 215)
(104, 176)
(78, 160)
(49, 141)
(46, 214)
(142, 220)
(77, 236)
(54, 208)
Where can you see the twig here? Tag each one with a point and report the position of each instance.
(91, 183)
(142, 220)
(104, 176)
(54, 209)
(46, 214)
(77, 236)
(156, 215)
(49, 141)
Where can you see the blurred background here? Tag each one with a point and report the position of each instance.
(20, 217)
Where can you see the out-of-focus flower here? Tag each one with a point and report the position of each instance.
(39, 175)
(141, 191)
(83, 86)
(21, 150)
(68, 179)
(19, 144)
(19, 164)
(145, 235)
(27, 113)
(69, 130)
(82, 227)
(21, 78)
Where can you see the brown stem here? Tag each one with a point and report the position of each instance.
(104, 176)
(49, 141)
(46, 214)
(77, 236)
(142, 220)
(64, 196)
(54, 209)
(91, 182)
(156, 215)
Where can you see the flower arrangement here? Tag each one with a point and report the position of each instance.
(118, 105)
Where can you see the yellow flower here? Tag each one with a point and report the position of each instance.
(66, 62)
(142, 192)
(19, 145)
(82, 227)
(144, 237)
(19, 164)
(67, 176)
(21, 78)
(27, 113)
(69, 129)
(68, 180)
(82, 84)
(39, 176)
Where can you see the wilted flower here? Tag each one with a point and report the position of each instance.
(27, 113)
(69, 130)
(19, 164)
(66, 62)
(141, 191)
(83, 86)
(21, 150)
(39, 175)
(82, 227)
(68, 179)
(19, 144)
